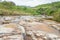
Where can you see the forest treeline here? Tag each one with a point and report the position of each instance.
(50, 9)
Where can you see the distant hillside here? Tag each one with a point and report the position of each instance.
(49, 4)
(9, 8)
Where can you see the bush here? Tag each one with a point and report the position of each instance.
(57, 16)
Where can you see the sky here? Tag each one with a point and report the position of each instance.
(31, 3)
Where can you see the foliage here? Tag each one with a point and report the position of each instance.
(11, 8)
(57, 16)
(50, 9)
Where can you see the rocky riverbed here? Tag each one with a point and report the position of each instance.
(28, 28)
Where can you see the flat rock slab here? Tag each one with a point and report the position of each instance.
(40, 26)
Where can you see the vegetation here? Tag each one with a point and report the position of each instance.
(50, 9)
(57, 16)
(9, 8)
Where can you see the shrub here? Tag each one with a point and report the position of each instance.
(57, 16)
